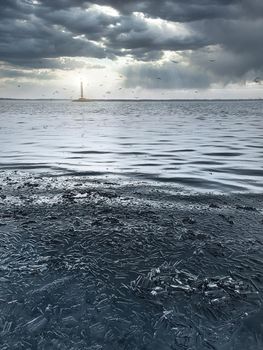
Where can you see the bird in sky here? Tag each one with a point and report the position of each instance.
(257, 80)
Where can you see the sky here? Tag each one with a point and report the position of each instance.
(156, 49)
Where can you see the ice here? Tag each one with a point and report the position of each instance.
(96, 271)
(36, 325)
(97, 331)
(51, 287)
(69, 321)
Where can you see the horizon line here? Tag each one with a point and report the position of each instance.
(133, 99)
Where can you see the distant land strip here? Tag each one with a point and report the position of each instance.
(131, 99)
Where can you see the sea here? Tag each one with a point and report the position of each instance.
(131, 225)
(196, 145)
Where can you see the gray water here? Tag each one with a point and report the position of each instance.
(131, 265)
(198, 145)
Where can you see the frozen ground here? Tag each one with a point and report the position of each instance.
(112, 265)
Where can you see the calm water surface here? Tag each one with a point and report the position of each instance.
(199, 145)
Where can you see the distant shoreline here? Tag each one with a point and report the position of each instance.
(129, 100)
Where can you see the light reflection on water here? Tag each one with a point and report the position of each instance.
(199, 145)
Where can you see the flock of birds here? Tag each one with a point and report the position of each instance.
(257, 80)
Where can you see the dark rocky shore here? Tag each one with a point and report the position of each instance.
(120, 265)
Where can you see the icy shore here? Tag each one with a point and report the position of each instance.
(111, 265)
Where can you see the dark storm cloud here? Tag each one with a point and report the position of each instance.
(64, 64)
(33, 31)
(175, 10)
(20, 74)
(148, 75)
(90, 22)
(137, 32)
(24, 35)
(238, 54)
(33, 40)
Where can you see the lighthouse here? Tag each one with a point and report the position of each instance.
(81, 90)
(82, 98)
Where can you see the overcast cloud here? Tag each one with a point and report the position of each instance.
(170, 44)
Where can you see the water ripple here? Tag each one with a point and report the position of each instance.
(197, 145)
